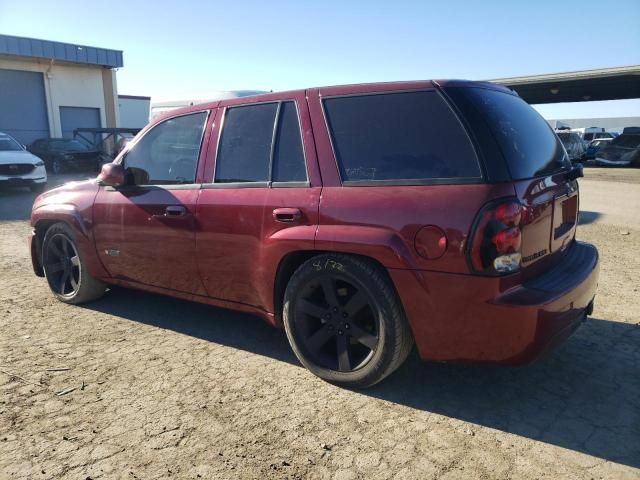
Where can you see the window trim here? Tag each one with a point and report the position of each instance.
(171, 186)
(404, 182)
(274, 135)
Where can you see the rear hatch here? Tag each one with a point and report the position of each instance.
(532, 158)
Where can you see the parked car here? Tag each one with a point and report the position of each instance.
(622, 151)
(573, 144)
(61, 154)
(18, 167)
(591, 133)
(361, 219)
(594, 147)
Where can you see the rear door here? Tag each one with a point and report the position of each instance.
(145, 231)
(537, 165)
(260, 203)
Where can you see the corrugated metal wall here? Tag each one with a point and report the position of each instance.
(23, 109)
(78, 117)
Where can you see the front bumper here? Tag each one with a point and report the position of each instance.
(21, 181)
(481, 319)
(37, 176)
(611, 163)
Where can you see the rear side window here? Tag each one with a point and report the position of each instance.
(530, 147)
(245, 145)
(247, 152)
(399, 137)
(288, 159)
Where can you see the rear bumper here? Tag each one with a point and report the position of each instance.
(479, 319)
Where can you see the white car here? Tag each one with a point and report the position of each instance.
(20, 168)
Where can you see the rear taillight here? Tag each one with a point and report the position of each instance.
(497, 239)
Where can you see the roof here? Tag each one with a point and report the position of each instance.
(179, 107)
(67, 52)
(134, 97)
(616, 83)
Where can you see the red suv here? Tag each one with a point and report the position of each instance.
(360, 218)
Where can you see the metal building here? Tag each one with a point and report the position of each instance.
(48, 89)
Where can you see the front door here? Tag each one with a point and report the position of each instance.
(145, 230)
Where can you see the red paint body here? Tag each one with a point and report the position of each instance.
(228, 245)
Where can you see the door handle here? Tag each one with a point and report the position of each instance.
(287, 215)
(172, 211)
(175, 211)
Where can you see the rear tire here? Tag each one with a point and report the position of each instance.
(65, 268)
(344, 321)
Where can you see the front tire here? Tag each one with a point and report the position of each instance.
(56, 166)
(37, 187)
(344, 321)
(65, 267)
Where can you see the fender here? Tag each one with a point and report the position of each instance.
(63, 212)
(79, 223)
(381, 244)
(275, 248)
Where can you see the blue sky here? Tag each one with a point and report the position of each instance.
(186, 48)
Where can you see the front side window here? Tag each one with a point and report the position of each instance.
(412, 136)
(168, 154)
(247, 153)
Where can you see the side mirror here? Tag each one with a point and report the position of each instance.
(111, 175)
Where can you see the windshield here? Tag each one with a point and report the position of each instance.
(8, 144)
(629, 141)
(68, 146)
(528, 143)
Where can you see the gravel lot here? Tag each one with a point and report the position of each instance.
(170, 389)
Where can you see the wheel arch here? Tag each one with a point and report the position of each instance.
(46, 216)
(293, 260)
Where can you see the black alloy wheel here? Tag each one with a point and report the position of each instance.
(337, 322)
(62, 265)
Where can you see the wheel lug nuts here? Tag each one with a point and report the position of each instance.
(339, 332)
(334, 309)
(346, 326)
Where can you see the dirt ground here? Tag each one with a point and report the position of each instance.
(169, 389)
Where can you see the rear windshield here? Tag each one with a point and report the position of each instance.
(528, 143)
(406, 138)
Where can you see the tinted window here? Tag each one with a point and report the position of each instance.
(527, 142)
(244, 152)
(588, 136)
(67, 146)
(168, 154)
(399, 136)
(288, 158)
